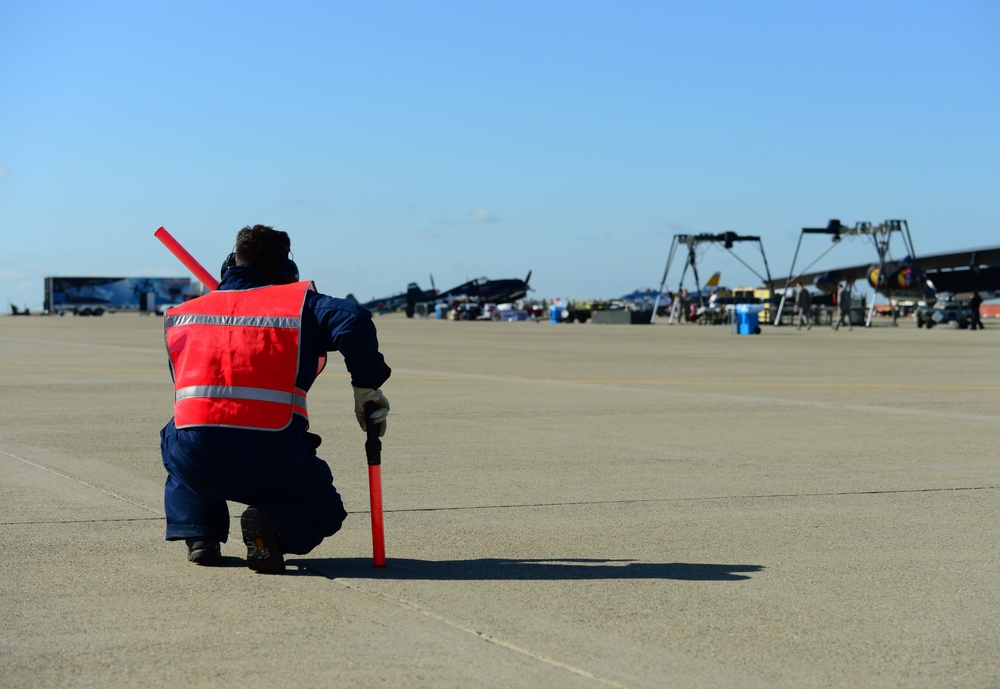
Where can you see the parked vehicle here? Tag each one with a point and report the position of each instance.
(949, 312)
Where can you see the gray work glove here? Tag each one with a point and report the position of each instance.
(363, 396)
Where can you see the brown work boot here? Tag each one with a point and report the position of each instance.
(263, 542)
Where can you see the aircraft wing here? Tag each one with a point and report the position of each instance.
(850, 274)
(961, 259)
(954, 259)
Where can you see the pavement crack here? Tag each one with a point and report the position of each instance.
(81, 482)
(82, 521)
(479, 634)
(629, 501)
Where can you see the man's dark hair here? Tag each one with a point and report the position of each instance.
(263, 248)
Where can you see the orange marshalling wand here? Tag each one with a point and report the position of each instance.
(187, 259)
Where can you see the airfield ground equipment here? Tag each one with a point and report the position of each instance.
(97, 295)
(880, 235)
(692, 241)
(944, 312)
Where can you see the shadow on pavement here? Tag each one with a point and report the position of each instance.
(486, 569)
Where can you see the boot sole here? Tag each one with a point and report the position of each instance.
(261, 539)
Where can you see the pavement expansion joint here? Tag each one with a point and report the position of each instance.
(84, 521)
(633, 501)
(484, 636)
(87, 484)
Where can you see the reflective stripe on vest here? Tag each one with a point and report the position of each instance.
(242, 321)
(234, 356)
(294, 399)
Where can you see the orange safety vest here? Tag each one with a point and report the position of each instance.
(234, 356)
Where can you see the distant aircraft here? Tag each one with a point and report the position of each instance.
(706, 290)
(383, 304)
(398, 301)
(483, 290)
(956, 273)
(649, 295)
(643, 296)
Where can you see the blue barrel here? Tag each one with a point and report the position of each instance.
(749, 323)
(748, 319)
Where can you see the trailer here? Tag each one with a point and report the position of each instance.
(94, 296)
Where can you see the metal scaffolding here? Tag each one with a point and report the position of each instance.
(691, 241)
(880, 236)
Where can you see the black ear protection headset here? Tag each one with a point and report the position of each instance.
(287, 272)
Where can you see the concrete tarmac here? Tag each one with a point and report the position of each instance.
(569, 506)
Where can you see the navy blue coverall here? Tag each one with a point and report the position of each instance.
(275, 471)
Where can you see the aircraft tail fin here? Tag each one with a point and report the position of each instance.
(413, 295)
(714, 280)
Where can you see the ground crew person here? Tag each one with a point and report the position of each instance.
(844, 307)
(975, 303)
(803, 305)
(243, 359)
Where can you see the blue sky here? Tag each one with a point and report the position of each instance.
(395, 140)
